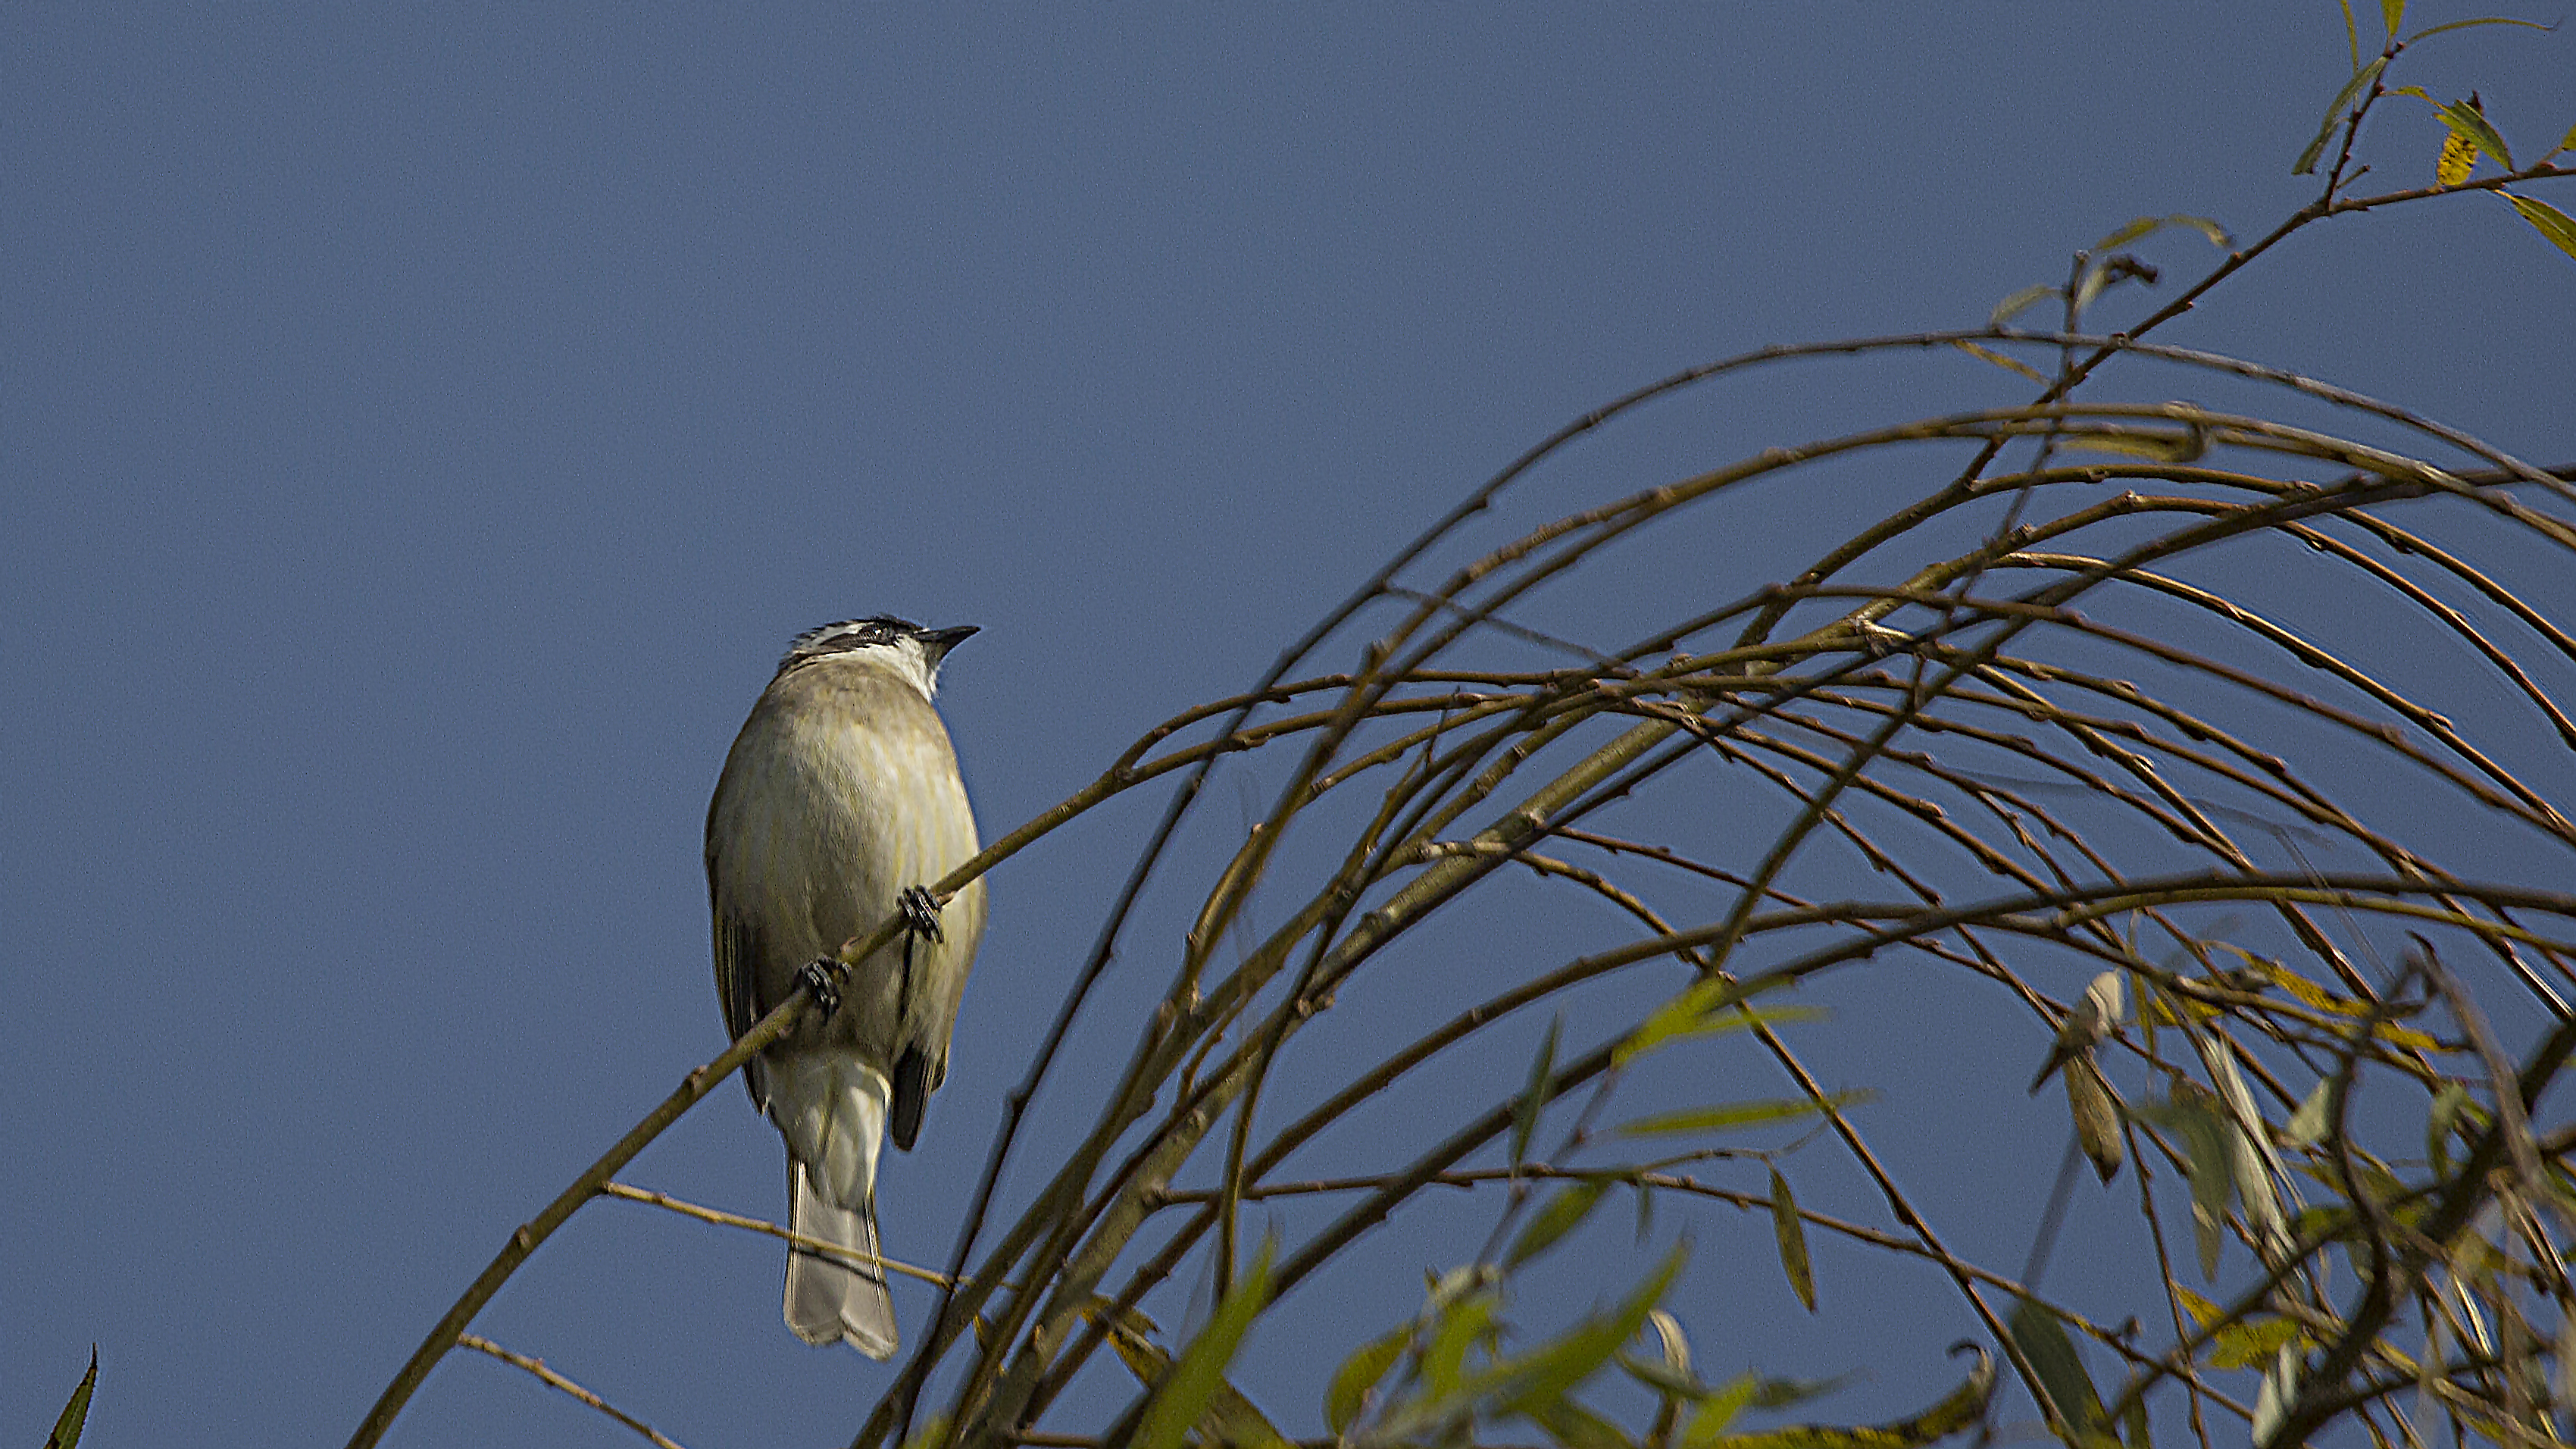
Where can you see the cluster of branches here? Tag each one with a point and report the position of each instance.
(1822, 715)
(1962, 722)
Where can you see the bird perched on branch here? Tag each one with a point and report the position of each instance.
(839, 802)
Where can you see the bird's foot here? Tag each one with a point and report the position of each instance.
(819, 975)
(920, 912)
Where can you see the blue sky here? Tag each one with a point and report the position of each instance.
(422, 427)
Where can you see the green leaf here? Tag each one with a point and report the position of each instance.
(2429, 1363)
(1791, 1230)
(2468, 121)
(2566, 1355)
(2254, 1341)
(2127, 234)
(1661, 1377)
(1735, 1114)
(2565, 143)
(2407, 1036)
(1239, 1424)
(1542, 1075)
(2250, 1158)
(1961, 1408)
(2206, 1161)
(2308, 992)
(1695, 1012)
(1367, 1366)
(1677, 1015)
(2307, 1126)
(1957, 1409)
(2322, 1223)
(2009, 364)
(1563, 1212)
(2377, 1183)
(1193, 1383)
(2020, 302)
(2448, 1103)
(1739, 1018)
(1528, 1384)
(2133, 1425)
(2202, 1311)
(1131, 1334)
(2219, 236)
(2392, 13)
(1552, 1371)
(2472, 24)
(2362, 80)
(67, 1429)
(2547, 220)
(1576, 1427)
(2148, 225)
(1231, 1418)
(1717, 1411)
(2052, 1355)
(2097, 1115)
(1462, 1324)
(1783, 1393)
(2088, 287)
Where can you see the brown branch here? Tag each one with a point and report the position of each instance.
(816, 1246)
(551, 1379)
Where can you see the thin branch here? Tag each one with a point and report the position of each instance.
(818, 1247)
(551, 1379)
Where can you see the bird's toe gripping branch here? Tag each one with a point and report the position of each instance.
(920, 912)
(819, 977)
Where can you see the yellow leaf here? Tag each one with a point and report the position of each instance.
(2202, 1311)
(2406, 1036)
(2301, 987)
(2548, 220)
(2020, 302)
(2007, 363)
(2248, 1344)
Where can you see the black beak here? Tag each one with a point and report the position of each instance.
(943, 640)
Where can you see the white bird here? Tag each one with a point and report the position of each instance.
(839, 801)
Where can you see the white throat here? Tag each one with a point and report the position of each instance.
(909, 659)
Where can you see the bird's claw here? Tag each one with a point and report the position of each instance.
(920, 912)
(818, 978)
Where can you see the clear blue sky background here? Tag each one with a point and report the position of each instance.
(421, 428)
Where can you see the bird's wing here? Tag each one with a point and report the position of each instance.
(738, 957)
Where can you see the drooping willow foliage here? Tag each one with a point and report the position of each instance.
(1986, 697)
(2145, 716)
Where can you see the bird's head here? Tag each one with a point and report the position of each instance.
(896, 644)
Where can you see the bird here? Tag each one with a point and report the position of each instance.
(839, 802)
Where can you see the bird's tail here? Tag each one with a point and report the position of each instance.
(831, 1107)
(829, 1298)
